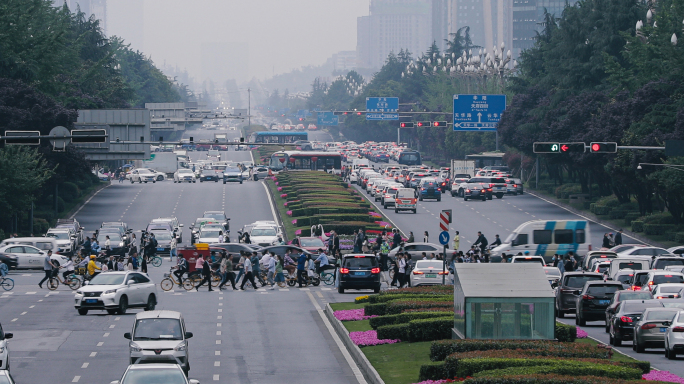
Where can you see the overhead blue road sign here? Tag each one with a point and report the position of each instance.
(444, 237)
(328, 118)
(478, 113)
(382, 108)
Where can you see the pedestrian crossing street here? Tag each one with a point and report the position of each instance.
(261, 290)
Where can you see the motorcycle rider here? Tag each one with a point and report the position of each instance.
(182, 269)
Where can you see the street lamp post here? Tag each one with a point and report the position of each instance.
(673, 166)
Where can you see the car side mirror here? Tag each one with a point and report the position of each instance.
(131, 282)
(41, 252)
(188, 335)
(9, 335)
(127, 335)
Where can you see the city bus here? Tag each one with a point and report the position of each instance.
(306, 160)
(278, 137)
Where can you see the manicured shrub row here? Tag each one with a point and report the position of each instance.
(565, 332)
(658, 229)
(402, 318)
(418, 330)
(566, 368)
(344, 228)
(398, 306)
(424, 290)
(439, 350)
(385, 298)
(327, 219)
(436, 309)
(553, 379)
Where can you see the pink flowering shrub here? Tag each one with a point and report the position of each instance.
(294, 221)
(662, 376)
(276, 182)
(289, 213)
(369, 338)
(284, 195)
(298, 232)
(581, 334)
(351, 315)
(280, 189)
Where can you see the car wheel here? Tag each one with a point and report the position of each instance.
(376, 290)
(560, 314)
(160, 178)
(154, 181)
(132, 181)
(465, 198)
(414, 211)
(112, 311)
(638, 347)
(151, 303)
(340, 289)
(582, 322)
(123, 305)
(439, 199)
(499, 195)
(672, 355)
(145, 182)
(224, 181)
(384, 206)
(452, 194)
(82, 311)
(617, 342)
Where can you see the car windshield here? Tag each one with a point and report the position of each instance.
(113, 237)
(603, 290)
(635, 295)
(185, 171)
(552, 272)
(661, 264)
(360, 262)
(406, 193)
(107, 279)
(210, 234)
(578, 281)
(234, 170)
(311, 243)
(661, 315)
(672, 289)
(155, 376)
(158, 329)
(263, 232)
(529, 260)
(428, 264)
(663, 279)
(215, 216)
(162, 235)
(58, 235)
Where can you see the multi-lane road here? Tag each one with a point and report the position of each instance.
(267, 336)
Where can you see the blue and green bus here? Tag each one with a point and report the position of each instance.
(278, 137)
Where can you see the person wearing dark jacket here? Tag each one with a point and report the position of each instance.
(497, 241)
(396, 239)
(618, 237)
(481, 241)
(606, 241)
(206, 273)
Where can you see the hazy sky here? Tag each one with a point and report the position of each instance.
(281, 34)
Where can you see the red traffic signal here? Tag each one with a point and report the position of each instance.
(424, 123)
(405, 125)
(439, 123)
(603, 147)
(572, 147)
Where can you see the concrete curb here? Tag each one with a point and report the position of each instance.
(72, 213)
(277, 211)
(590, 216)
(369, 373)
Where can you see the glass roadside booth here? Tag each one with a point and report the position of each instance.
(503, 301)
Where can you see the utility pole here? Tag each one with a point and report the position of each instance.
(249, 106)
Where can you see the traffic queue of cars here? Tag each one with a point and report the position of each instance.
(202, 170)
(28, 252)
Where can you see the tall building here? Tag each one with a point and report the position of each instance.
(441, 22)
(97, 8)
(490, 21)
(393, 25)
(528, 18)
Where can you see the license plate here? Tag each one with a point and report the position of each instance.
(359, 273)
(91, 301)
(663, 329)
(160, 249)
(603, 302)
(431, 275)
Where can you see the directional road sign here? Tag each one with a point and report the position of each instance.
(478, 113)
(382, 108)
(444, 237)
(328, 118)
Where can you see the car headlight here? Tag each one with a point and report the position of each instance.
(79, 292)
(181, 347)
(2, 349)
(109, 292)
(121, 244)
(134, 347)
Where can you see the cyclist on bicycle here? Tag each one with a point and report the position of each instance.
(69, 269)
(182, 269)
(3, 269)
(92, 267)
(322, 262)
(290, 264)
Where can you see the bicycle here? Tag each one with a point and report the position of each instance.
(170, 281)
(73, 281)
(6, 283)
(328, 278)
(155, 260)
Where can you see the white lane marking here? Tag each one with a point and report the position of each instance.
(217, 363)
(218, 324)
(221, 304)
(101, 343)
(76, 213)
(32, 306)
(112, 326)
(283, 289)
(304, 289)
(218, 333)
(106, 334)
(218, 342)
(219, 317)
(326, 289)
(85, 365)
(93, 354)
(30, 293)
(26, 274)
(117, 318)
(273, 212)
(23, 313)
(76, 379)
(220, 310)
(13, 320)
(216, 377)
(319, 294)
(343, 349)
(217, 353)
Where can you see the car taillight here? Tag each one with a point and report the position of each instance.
(417, 273)
(648, 326)
(443, 273)
(514, 186)
(626, 319)
(491, 185)
(483, 191)
(587, 297)
(344, 270)
(375, 270)
(678, 329)
(359, 257)
(468, 190)
(414, 179)
(422, 189)
(489, 189)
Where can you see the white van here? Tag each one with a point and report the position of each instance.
(357, 162)
(42, 243)
(635, 262)
(546, 238)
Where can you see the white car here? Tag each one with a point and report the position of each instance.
(4, 351)
(115, 292)
(159, 176)
(428, 272)
(30, 257)
(668, 291)
(148, 373)
(264, 235)
(142, 175)
(678, 250)
(209, 235)
(66, 240)
(674, 337)
(184, 175)
(645, 251)
(159, 337)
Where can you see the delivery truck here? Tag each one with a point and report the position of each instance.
(462, 167)
(165, 162)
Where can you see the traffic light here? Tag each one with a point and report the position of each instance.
(546, 147)
(440, 124)
(405, 125)
(603, 147)
(572, 147)
(424, 123)
(25, 139)
(338, 113)
(88, 136)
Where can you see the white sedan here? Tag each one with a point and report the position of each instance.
(4, 351)
(668, 291)
(674, 337)
(143, 175)
(183, 175)
(428, 272)
(115, 292)
(264, 236)
(30, 257)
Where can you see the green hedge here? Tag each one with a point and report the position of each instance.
(395, 331)
(631, 216)
(602, 210)
(376, 322)
(679, 237)
(397, 306)
(440, 350)
(658, 229)
(434, 371)
(431, 329)
(565, 332)
(618, 213)
(567, 368)
(637, 226)
(385, 298)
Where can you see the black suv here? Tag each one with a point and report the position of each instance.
(627, 313)
(594, 299)
(570, 287)
(359, 272)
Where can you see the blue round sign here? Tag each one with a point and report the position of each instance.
(444, 237)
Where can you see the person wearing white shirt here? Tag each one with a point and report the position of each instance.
(248, 274)
(220, 237)
(271, 271)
